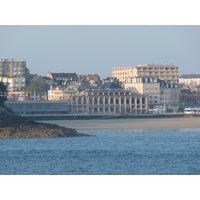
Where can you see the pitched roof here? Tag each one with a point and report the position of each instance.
(187, 76)
(64, 75)
(111, 85)
(84, 82)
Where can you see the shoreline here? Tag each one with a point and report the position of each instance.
(193, 122)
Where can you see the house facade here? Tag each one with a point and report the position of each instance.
(159, 92)
(149, 86)
(63, 79)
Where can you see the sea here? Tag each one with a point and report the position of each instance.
(110, 152)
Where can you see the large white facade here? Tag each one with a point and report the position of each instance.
(145, 85)
(159, 92)
(169, 73)
(190, 80)
(101, 101)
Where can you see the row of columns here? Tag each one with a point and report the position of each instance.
(96, 102)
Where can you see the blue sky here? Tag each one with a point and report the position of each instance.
(98, 49)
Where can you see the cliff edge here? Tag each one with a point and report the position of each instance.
(14, 126)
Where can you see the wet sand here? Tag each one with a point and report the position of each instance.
(187, 122)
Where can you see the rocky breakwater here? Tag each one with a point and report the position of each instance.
(14, 126)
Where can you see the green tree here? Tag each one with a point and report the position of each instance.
(2, 94)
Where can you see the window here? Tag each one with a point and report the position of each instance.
(111, 100)
(106, 100)
(122, 100)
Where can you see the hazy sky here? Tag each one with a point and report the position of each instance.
(98, 49)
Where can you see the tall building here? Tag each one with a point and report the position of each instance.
(168, 73)
(13, 73)
(13, 68)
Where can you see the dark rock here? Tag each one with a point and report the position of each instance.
(14, 126)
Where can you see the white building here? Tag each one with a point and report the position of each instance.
(190, 80)
(145, 85)
(169, 73)
(101, 101)
(13, 83)
(160, 93)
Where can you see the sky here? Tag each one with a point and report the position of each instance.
(96, 49)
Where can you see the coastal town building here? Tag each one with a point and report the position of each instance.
(168, 73)
(145, 85)
(130, 90)
(13, 83)
(37, 80)
(38, 107)
(13, 68)
(108, 102)
(92, 78)
(159, 92)
(63, 79)
(103, 101)
(13, 74)
(63, 93)
(170, 95)
(28, 93)
(191, 80)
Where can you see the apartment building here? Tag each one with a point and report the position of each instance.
(145, 85)
(170, 95)
(11, 68)
(13, 73)
(27, 94)
(191, 80)
(168, 73)
(13, 83)
(159, 92)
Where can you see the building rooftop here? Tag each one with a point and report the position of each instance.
(187, 76)
(64, 75)
(111, 85)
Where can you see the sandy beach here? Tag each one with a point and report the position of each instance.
(187, 122)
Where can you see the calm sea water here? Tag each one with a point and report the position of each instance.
(111, 152)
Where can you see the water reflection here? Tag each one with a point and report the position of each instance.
(130, 130)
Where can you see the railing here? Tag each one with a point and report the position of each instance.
(105, 114)
(60, 115)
